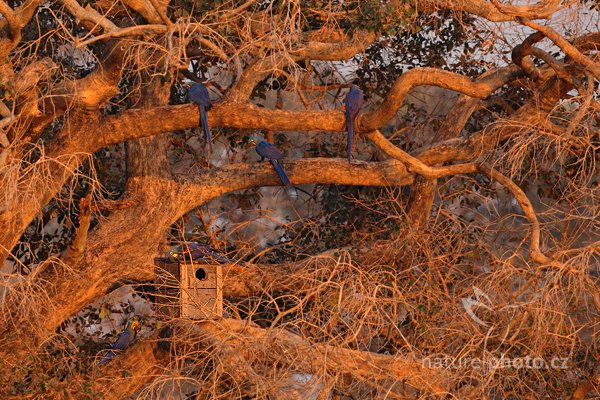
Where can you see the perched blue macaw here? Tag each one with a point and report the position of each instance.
(198, 93)
(190, 251)
(354, 101)
(272, 153)
(124, 339)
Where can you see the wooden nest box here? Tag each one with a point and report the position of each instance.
(189, 289)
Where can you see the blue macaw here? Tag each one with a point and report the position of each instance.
(124, 339)
(354, 101)
(190, 251)
(272, 153)
(198, 93)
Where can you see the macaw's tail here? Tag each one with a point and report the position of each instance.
(279, 169)
(205, 127)
(108, 357)
(350, 127)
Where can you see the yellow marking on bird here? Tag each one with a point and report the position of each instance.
(135, 325)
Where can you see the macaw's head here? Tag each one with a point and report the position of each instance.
(254, 140)
(173, 255)
(135, 325)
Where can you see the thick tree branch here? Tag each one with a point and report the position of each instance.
(10, 19)
(569, 49)
(15, 20)
(261, 68)
(145, 9)
(138, 123)
(587, 94)
(89, 92)
(370, 368)
(558, 66)
(74, 252)
(90, 15)
(489, 11)
(229, 341)
(543, 9)
(533, 113)
(215, 182)
(520, 53)
(414, 164)
(433, 77)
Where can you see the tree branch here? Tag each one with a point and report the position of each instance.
(215, 182)
(229, 341)
(138, 122)
(543, 9)
(89, 14)
(16, 20)
(141, 123)
(74, 252)
(369, 368)
(565, 46)
(145, 9)
(534, 247)
(414, 164)
(520, 53)
(534, 113)
(261, 68)
(434, 77)
(10, 19)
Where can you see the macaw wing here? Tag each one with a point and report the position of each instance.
(267, 150)
(195, 93)
(122, 341)
(354, 101)
(199, 94)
